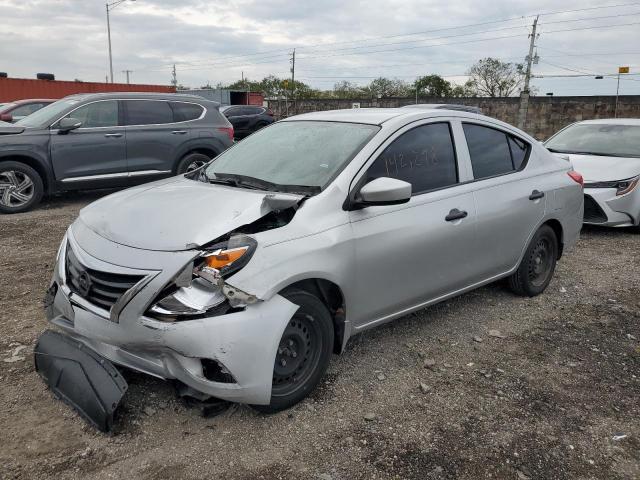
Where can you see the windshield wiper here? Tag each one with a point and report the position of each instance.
(237, 181)
(246, 181)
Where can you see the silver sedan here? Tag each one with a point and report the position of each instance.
(607, 153)
(241, 279)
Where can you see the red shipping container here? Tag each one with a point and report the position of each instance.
(23, 88)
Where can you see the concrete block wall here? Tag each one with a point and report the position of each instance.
(546, 115)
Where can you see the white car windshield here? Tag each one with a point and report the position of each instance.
(612, 140)
(294, 156)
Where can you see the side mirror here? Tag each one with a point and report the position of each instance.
(67, 124)
(384, 191)
(6, 117)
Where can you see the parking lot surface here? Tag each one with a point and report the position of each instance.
(487, 385)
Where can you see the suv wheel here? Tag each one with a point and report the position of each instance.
(191, 162)
(21, 187)
(303, 353)
(538, 264)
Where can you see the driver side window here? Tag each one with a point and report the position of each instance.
(424, 157)
(97, 114)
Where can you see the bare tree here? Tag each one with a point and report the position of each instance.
(491, 77)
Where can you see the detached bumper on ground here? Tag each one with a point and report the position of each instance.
(80, 377)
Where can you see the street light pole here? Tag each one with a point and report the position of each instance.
(109, 37)
(111, 6)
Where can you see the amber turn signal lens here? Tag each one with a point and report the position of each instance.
(225, 257)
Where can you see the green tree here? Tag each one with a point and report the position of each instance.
(433, 86)
(491, 77)
(346, 89)
(385, 87)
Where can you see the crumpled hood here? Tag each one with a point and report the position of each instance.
(178, 213)
(595, 168)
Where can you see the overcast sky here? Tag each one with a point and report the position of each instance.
(215, 41)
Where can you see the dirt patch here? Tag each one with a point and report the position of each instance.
(556, 395)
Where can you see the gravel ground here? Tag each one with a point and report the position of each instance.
(488, 385)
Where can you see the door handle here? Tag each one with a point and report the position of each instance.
(455, 214)
(536, 195)
(113, 135)
(179, 132)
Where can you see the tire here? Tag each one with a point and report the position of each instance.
(191, 161)
(21, 187)
(538, 264)
(302, 369)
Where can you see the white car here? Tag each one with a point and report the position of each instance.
(607, 153)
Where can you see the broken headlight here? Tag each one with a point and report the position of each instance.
(200, 288)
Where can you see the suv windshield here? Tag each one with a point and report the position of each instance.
(598, 139)
(47, 115)
(296, 156)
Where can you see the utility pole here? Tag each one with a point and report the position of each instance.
(127, 72)
(109, 7)
(109, 37)
(174, 78)
(531, 59)
(293, 79)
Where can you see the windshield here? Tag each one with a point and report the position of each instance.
(47, 115)
(296, 155)
(598, 139)
(6, 106)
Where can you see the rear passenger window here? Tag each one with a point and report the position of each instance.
(492, 151)
(148, 112)
(183, 112)
(424, 157)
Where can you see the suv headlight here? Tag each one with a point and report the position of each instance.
(200, 289)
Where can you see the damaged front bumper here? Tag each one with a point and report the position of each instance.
(228, 356)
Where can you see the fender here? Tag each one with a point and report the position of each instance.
(33, 156)
(200, 143)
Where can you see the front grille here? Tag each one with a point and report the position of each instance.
(100, 288)
(592, 211)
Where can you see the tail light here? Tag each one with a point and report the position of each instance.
(227, 130)
(576, 177)
(269, 112)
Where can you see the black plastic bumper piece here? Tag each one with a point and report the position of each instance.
(80, 377)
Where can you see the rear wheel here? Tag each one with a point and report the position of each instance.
(191, 162)
(303, 353)
(21, 187)
(538, 264)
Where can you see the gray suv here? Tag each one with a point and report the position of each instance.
(106, 140)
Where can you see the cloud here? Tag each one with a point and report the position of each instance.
(218, 41)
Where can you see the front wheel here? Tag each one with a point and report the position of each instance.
(538, 264)
(303, 353)
(21, 187)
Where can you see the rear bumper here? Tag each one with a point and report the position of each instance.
(603, 207)
(241, 345)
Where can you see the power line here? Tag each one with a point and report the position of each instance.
(301, 47)
(469, 33)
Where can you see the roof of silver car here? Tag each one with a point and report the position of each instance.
(373, 116)
(613, 121)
